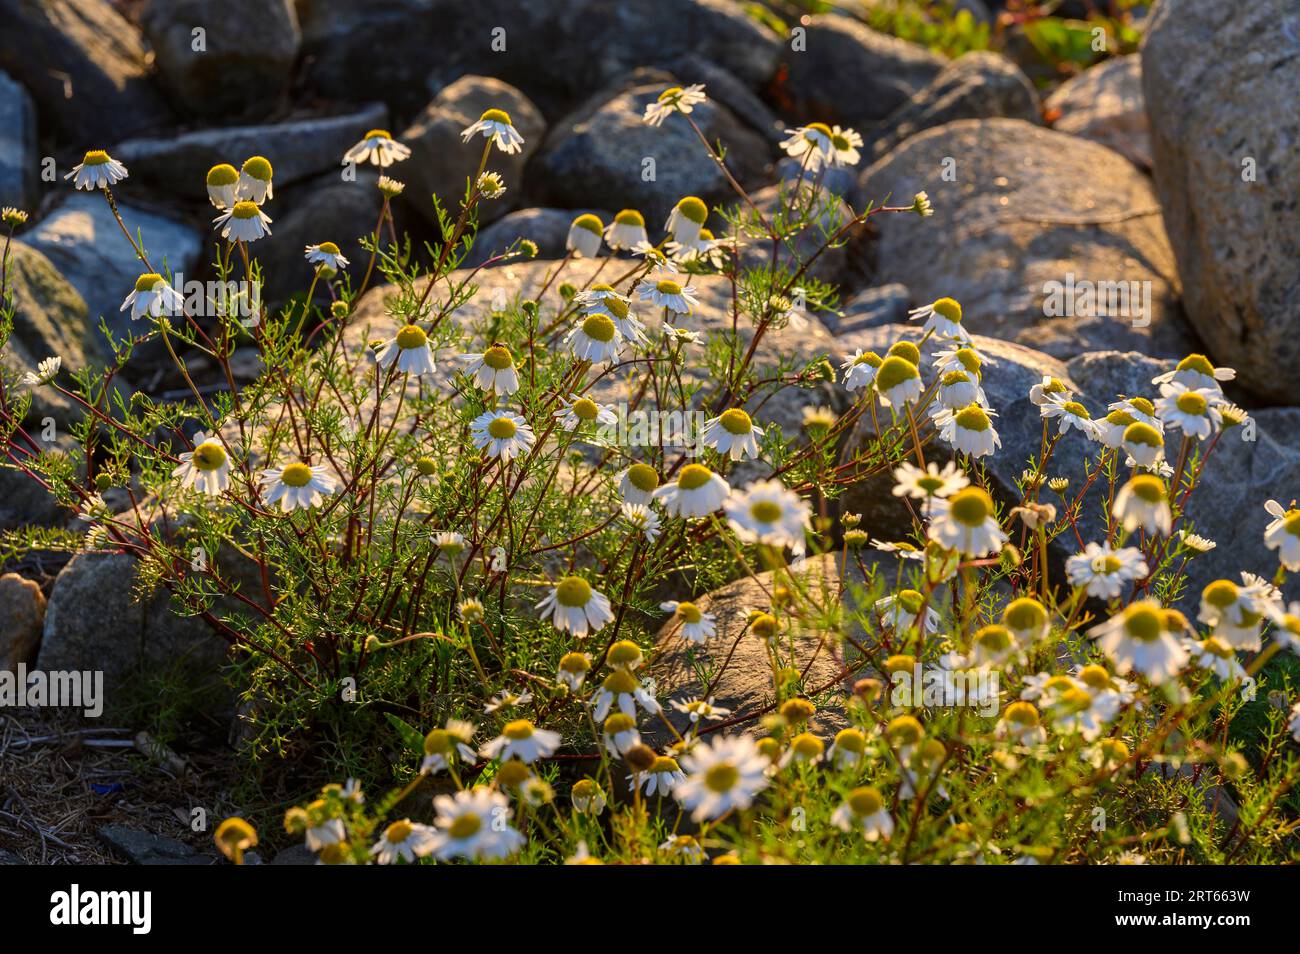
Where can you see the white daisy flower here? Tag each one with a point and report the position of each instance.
(221, 181)
(969, 430)
(97, 170)
(898, 382)
(1196, 371)
(1104, 571)
(581, 411)
(845, 148)
(443, 746)
(409, 348)
(769, 513)
(700, 710)
(994, 645)
(864, 810)
(849, 749)
(663, 775)
(206, 468)
(957, 389)
(642, 519)
(1214, 655)
(154, 297)
(243, 222)
(697, 492)
(1140, 409)
(1283, 534)
(1021, 724)
(1195, 542)
(1190, 410)
(810, 144)
(621, 687)
(1047, 390)
(501, 700)
(574, 607)
(1073, 709)
(297, 485)
(943, 318)
(805, 748)
(45, 372)
(732, 434)
(1236, 613)
(495, 126)
(966, 358)
(595, 339)
(705, 250)
(584, 236)
(1071, 414)
(722, 777)
(588, 797)
(572, 670)
(1136, 640)
(900, 612)
(655, 257)
(859, 371)
(379, 147)
(521, 740)
(620, 734)
(472, 824)
(966, 522)
(665, 293)
(403, 840)
(328, 255)
(1111, 428)
(675, 99)
(686, 219)
(684, 848)
(1142, 502)
(695, 625)
(493, 370)
(638, 483)
(324, 832)
(502, 434)
(255, 181)
(911, 481)
(627, 230)
(619, 310)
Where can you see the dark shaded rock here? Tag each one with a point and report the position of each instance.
(871, 308)
(548, 228)
(1220, 84)
(22, 615)
(18, 157)
(84, 65)
(146, 848)
(1106, 104)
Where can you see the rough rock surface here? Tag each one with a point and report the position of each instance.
(602, 155)
(850, 74)
(441, 162)
(1022, 216)
(18, 157)
(246, 54)
(882, 305)
(1220, 83)
(22, 615)
(548, 228)
(978, 85)
(84, 64)
(1105, 104)
(297, 148)
(85, 243)
(146, 848)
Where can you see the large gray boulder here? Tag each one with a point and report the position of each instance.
(1221, 82)
(847, 73)
(297, 148)
(18, 158)
(547, 228)
(1105, 104)
(84, 65)
(441, 162)
(85, 243)
(239, 64)
(1044, 238)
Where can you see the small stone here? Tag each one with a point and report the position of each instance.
(22, 615)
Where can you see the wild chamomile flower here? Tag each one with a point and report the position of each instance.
(472, 824)
(14, 218)
(733, 434)
(1294, 724)
(409, 348)
(769, 513)
(642, 519)
(572, 670)
(521, 740)
(403, 840)
(1214, 655)
(924, 764)
(588, 797)
(1143, 502)
(444, 746)
(663, 775)
(1190, 410)
(845, 147)
(1103, 571)
(675, 99)
(705, 250)
(490, 185)
(1111, 428)
(819, 419)
(620, 734)
(390, 188)
(449, 542)
(574, 607)
(1021, 724)
(596, 339)
(97, 170)
(804, 748)
(1073, 709)
(619, 310)
(700, 710)
(697, 492)
(810, 144)
(686, 219)
(849, 748)
(627, 231)
(1071, 414)
(297, 485)
(1048, 389)
(969, 430)
(943, 318)
(694, 624)
(585, 234)
(898, 382)
(493, 370)
(1196, 371)
(721, 777)
(966, 522)
(1195, 542)
(255, 181)
(379, 147)
(960, 388)
(623, 688)
(502, 434)
(921, 205)
(638, 483)
(859, 371)
(495, 126)
(581, 411)
(45, 372)
(1139, 408)
(1236, 613)
(669, 294)
(243, 222)
(206, 468)
(322, 829)
(328, 255)
(1136, 640)
(965, 358)
(901, 611)
(1144, 444)
(221, 182)
(1283, 534)
(864, 810)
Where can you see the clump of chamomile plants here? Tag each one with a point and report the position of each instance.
(453, 579)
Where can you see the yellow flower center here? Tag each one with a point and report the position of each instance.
(1022, 713)
(693, 477)
(693, 209)
(223, 174)
(496, 116)
(259, 168)
(498, 358)
(590, 223)
(398, 832)
(148, 282)
(669, 287)
(585, 409)
(624, 653)
(619, 682)
(573, 591)
(1095, 677)
(865, 802)
(465, 826)
(296, 474)
(910, 600)
(1220, 593)
(736, 422)
(689, 612)
(664, 763)
(502, 428)
(411, 337)
(895, 371)
(971, 507)
(598, 328)
(669, 93)
(817, 127)
(1025, 614)
(1189, 402)
(807, 746)
(995, 638)
(973, 418)
(1217, 647)
(764, 625)
(722, 777)
(765, 511)
(630, 217)
(907, 351)
(437, 742)
(643, 477)
(244, 210)
(1143, 405)
(1197, 362)
(1148, 488)
(850, 740)
(96, 157)
(518, 730)
(1143, 623)
(209, 456)
(1076, 409)
(904, 730)
(378, 134)
(948, 308)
